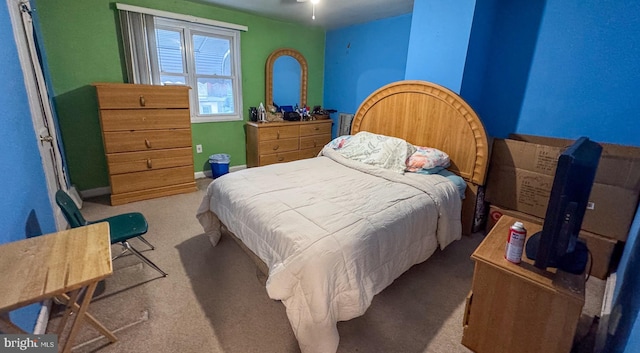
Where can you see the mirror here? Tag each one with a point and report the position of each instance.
(284, 68)
(286, 71)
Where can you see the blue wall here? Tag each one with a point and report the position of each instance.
(24, 205)
(479, 54)
(502, 45)
(440, 32)
(360, 59)
(585, 75)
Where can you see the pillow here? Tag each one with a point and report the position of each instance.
(427, 158)
(338, 142)
(378, 150)
(434, 170)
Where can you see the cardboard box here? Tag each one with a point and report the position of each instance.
(521, 176)
(496, 212)
(601, 248)
(618, 166)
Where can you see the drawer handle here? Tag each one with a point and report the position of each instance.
(278, 134)
(314, 143)
(142, 101)
(147, 143)
(280, 159)
(317, 128)
(149, 165)
(276, 147)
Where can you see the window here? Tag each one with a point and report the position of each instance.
(164, 48)
(204, 58)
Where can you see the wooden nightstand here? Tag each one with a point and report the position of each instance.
(278, 142)
(519, 308)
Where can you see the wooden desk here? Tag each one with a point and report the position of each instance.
(53, 265)
(519, 308)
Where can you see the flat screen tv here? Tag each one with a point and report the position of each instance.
(557, 245)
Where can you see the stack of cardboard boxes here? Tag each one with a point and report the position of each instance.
(521, 175)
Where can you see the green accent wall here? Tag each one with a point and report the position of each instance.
(83, 46)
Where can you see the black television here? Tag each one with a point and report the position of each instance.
(557, 245)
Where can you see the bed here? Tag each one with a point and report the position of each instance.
(330, 232)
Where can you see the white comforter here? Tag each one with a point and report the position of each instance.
(333, 232)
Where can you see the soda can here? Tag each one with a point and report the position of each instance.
(515, 243)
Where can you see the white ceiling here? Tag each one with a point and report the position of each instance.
(330, 14)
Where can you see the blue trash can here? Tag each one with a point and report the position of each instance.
(219, 164)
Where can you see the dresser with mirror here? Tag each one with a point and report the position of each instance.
(286, 78)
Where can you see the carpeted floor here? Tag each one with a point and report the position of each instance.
(212, 300)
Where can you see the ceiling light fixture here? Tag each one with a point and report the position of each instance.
(313, 8)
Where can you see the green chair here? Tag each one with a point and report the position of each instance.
(122, 227)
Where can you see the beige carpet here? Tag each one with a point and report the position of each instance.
(212, 300)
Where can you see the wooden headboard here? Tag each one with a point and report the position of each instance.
(427, 114)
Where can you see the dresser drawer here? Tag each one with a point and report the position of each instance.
(121, 183)
(128, 162)
(278, 158)
(274, 146)
(309, 152)
(315, 129)
(127, 96)
(278, 132)
(144, 119)
(314, 141)
(131, 141)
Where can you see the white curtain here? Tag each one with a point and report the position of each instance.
(137, 32)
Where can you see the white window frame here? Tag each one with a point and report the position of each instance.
(187, 29)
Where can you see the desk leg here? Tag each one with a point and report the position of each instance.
(75, 328)
(90, 319)
(67, 313)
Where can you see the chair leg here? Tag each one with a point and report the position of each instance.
(142, 257)
(124, 251)
(146, 242)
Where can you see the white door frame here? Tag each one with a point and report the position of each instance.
(41, 113)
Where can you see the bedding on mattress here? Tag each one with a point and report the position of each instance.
(333, 232)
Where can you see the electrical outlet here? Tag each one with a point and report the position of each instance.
(198, 148)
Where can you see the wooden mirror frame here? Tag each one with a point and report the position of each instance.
(269, 73)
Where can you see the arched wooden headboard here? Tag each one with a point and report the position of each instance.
(427, 114)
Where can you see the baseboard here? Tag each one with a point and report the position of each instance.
(197, 175)
(43, 318)
(75, 196)
(202, 175)
(606, 319)
(236, 168)
(209, 174)
(105, 190)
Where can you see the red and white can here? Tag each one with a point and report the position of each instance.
(515, 243)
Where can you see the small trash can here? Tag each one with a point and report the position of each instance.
(219, 164)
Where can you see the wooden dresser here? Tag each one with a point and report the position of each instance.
(519, 308)
(278, 142)
(147, 140)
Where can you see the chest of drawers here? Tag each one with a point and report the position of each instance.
(146, 132)
(279, 142)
